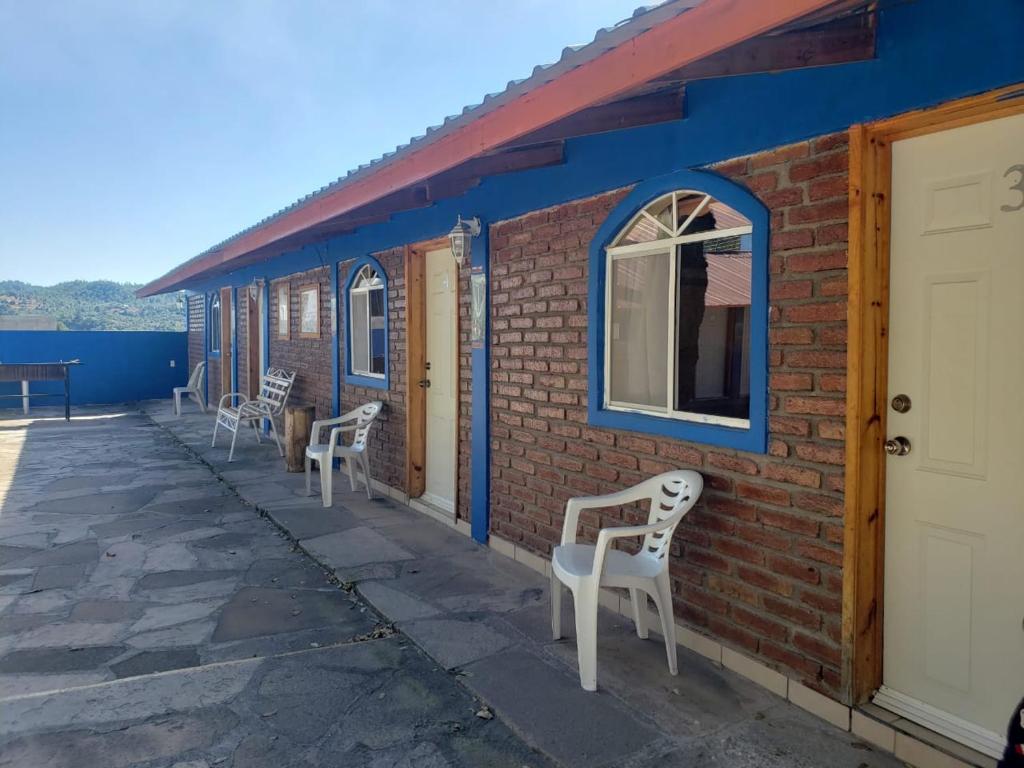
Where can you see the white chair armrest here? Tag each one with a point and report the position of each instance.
(574, 506)
(231, 396)
(314, 436)
(606, 536)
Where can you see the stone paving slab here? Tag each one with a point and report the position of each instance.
(486, 618)
(368, 704)
(120, 563)
(150, 618)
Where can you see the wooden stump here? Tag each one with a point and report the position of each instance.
(298, 421)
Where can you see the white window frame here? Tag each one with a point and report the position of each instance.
(362, 285)
(669, 245)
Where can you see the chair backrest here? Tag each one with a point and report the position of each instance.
(196, 379)
(672, 495)
(364, 415)
(275, 387)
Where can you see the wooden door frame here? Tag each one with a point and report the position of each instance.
(227, 310)
(867, 369)
(252, 342)
(416, 357)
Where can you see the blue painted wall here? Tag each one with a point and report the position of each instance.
(117, 366)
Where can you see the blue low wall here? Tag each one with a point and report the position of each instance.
(117, 366)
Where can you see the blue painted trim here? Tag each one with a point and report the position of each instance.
(266, 324)
(234, 339)
(354, 378)
(480, 439)
(335, 352)
(206, 349)
(755, 437)
(265, 320)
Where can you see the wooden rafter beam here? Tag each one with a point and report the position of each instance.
(661, 106)
(849, 40)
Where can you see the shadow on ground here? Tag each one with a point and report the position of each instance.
(150, 617)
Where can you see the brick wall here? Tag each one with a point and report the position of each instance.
(757, 564)
(388, 448)
(196, 331)
(242, 332)
(311, 359)
(463, 467)
(387, 441)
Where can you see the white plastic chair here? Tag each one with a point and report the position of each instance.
(585, 568)
(236, 410)
(357, 421)
(194, 388)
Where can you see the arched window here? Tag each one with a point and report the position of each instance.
(366, 294)
(214, 325)
(683, 296)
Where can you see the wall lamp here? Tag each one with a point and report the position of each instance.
(461, 238)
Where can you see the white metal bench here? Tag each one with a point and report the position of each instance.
(357, 421)
(194, 388)
(235, 410)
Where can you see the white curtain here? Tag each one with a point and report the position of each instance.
(360, 334)
(638, 342)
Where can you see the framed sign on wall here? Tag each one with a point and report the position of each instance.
(309, 311)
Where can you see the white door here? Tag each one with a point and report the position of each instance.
(442, 394)
(954, 538)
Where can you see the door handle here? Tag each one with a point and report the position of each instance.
(897, 446)
(424, 383)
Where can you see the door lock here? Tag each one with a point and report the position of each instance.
(897, 446)
(424, 383)
(901, 403)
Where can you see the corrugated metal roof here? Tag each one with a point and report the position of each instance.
(728, 280)
(606, 38)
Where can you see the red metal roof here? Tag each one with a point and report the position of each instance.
(655, 41)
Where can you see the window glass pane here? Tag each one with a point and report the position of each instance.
(713, 319)
(378, 334)
(638, 333)
(360, 333)
(215, 325)
(644, 230)
(711, 214)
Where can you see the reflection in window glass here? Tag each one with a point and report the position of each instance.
(378, 334)
(679, 293)
(713, 324)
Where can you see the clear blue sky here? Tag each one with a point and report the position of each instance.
(134, 135)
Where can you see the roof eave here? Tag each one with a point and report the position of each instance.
(668, 45)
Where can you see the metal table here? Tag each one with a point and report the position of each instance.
(26, 372)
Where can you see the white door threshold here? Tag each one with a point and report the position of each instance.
(941, 723)
(429, 505)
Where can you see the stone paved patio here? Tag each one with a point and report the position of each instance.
(484, 618)
(150, 617)
(208, 587)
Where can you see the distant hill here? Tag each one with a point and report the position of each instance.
(92, 305)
